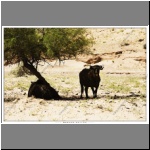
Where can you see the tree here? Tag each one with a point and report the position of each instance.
(32, 45)
(23, 45)
(64, 43)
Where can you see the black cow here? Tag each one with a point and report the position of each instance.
(39, 89)
(90, 78)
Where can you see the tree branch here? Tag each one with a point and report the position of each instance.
(34, 71)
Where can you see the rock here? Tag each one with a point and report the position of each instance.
(100, 107)
(115, 96)
(132, 93)
(135, 104)
(107, 92)
(140, 40)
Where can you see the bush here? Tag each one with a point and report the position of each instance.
(20, 71)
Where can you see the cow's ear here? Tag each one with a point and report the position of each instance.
(101, 67)
(91, 67)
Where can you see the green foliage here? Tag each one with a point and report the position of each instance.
(18, 72)
(34, 44)
(64, 42)
(21, 44)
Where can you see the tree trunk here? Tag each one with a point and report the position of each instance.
(34, 71)
(41, 88)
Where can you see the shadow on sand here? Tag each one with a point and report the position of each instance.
(77, 98)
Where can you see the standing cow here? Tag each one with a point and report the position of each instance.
(90, 78)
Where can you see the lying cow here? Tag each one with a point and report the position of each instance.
(39, 89)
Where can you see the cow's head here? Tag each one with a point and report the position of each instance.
(96, 68)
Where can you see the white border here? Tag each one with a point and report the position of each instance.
(74, 0)
(1, 80)
(80, 122)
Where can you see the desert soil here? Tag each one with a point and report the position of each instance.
(121, 94)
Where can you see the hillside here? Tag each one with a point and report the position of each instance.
(120, 49)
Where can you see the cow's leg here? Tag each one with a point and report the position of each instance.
(32, 89)
(82, 90)
(95, 93)
(86, 92)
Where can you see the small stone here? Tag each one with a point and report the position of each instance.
(107, 93)
(115, 96)
(135, 104)
(100, 107)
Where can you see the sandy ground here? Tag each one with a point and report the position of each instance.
(106, 107)
(91, 110)
(109, 106)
